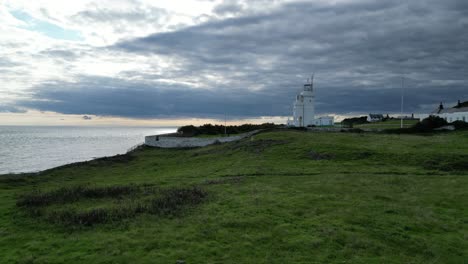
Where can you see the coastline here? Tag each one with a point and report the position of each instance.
(34, 149)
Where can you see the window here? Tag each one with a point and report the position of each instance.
(464, 119)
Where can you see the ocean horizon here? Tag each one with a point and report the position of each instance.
(26, 149)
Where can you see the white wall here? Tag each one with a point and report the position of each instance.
(324, 121)
(162, 141)
(304, 109)
(451, 117)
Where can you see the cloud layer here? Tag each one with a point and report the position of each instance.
(245, 60)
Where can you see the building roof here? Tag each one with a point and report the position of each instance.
(460, 107)
(376, 116)
(453, 110)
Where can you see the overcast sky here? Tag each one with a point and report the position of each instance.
(178, 60)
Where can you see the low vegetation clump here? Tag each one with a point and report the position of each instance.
(429, 124)
(209, 129)
(73, 194)
(320, 156)
(172, 200)
(455, 163)
(225, 180)
(460, 125)
(352, 130)
(350, 122)
(122, 202)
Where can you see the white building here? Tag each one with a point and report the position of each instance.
(456, 113)
(304, 110)
(375, 117)
(324, 121)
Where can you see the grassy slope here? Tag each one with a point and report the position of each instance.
(388, 124)
(374, 202)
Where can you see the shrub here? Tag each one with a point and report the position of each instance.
(188, 130)
(350, 122)
(209, 129)
(429, 124)
(460, 124)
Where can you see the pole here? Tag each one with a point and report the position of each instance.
(402, 99)
(225, 129)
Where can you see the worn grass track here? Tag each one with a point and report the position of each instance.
(280, 197)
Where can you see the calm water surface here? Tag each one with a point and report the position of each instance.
(31, 149)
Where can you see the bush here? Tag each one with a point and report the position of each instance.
(350, 122)
(429, 124)
(460, 124)
(188, 130)
(209, 129)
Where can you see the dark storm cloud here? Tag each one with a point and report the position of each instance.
(358, 50)
(140, 100)
(111, 97)
(304, 36)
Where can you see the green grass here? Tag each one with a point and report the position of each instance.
(389, 124)
(280, 197)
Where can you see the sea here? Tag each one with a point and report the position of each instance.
(37, 148)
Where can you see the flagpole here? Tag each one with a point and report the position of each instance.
(402, 99)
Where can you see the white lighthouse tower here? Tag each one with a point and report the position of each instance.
(304, 112)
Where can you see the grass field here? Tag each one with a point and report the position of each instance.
(280, 197)
(389, 124)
